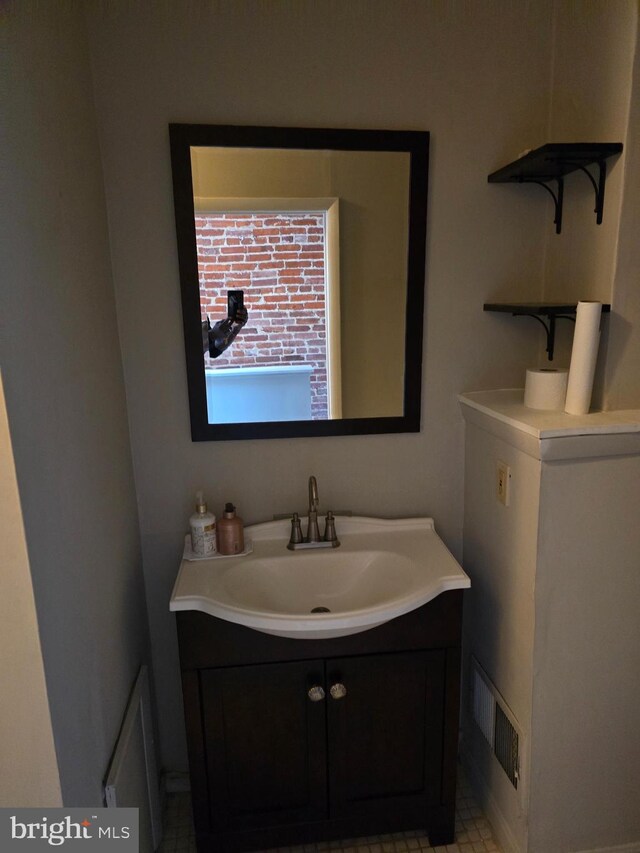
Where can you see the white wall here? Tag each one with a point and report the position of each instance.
(28, 766)
(475, 75)
(585, 762)
(65, 395)
(500, 556)
(552, 618)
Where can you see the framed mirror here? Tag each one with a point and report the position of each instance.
(302, 264)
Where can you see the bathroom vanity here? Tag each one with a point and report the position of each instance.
(295, 740)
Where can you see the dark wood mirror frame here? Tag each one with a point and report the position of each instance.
(416, 144)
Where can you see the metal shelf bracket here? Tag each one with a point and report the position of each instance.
(598, 188)
(553, 161)
(550, 311)
(550, 330)
(557, 199)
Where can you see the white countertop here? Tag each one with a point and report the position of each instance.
(552, 435)
(507, 405)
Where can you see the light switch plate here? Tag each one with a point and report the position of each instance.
(503, 478)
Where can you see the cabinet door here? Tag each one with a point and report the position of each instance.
(265, 744)
(385, 733)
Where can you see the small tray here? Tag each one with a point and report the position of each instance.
(188, 554)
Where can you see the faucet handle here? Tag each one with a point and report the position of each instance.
(330, 534)
(296, 531)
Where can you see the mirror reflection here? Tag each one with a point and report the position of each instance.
(304, 286)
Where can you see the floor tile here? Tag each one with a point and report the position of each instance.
(473, 832)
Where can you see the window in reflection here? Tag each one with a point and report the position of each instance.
(284, 364)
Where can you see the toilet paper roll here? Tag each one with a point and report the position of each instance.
(546, 388)
(584, 353)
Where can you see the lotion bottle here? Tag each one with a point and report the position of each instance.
(203, 529)
(230, 532)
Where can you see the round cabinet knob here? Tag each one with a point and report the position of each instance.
(338, 691)
(316, 693)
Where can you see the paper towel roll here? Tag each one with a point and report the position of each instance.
(584, 353)
(546, 388)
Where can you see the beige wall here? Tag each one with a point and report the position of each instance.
(476, 76)
(65, 397)
(593, 56)
(28, 766)
(479, 77)
(622, 383)
(373, 282)
(594, 44)
(373, 193)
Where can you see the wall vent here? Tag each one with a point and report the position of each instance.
(484, 705)
(496, 722)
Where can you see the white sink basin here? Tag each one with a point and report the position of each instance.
(382, 569)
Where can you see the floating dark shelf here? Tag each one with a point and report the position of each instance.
(551, 310)
(547, 309)
(552, 162)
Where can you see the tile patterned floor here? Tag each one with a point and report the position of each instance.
(473, 832)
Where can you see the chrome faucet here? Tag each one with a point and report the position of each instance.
(313, 533)
(312, 539)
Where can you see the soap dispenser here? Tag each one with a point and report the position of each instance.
(203, 529)
(230, 532)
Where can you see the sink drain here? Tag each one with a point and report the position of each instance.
(320, 610)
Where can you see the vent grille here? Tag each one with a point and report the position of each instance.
(497, 724)
(484, 707)
(506, 745)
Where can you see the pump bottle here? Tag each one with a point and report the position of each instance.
(203, 529)
(230, 532)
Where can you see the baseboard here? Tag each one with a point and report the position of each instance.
(501, 829)
(175, 782)
(633, 847)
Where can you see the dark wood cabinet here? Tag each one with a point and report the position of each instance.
(371, 749)
(385, 736)
(265, 744)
